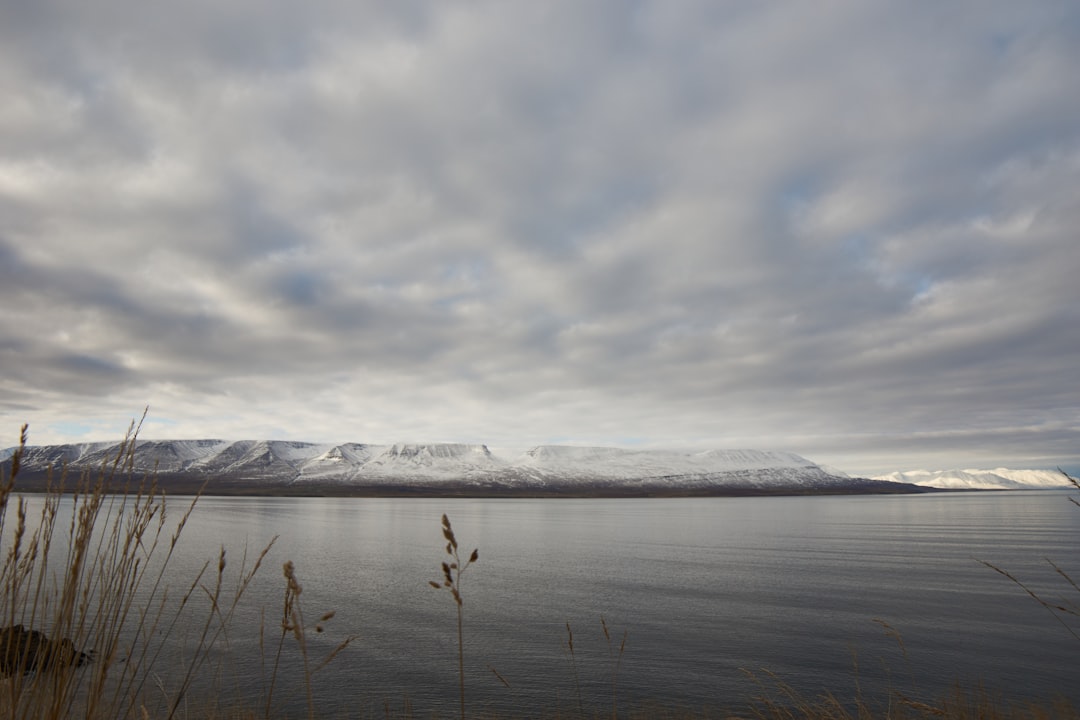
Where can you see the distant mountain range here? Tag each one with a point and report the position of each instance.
(275, 467)
(999, 479)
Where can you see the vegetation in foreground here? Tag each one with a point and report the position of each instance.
(88, 625)
(86, 621)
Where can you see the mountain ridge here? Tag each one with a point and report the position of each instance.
(974, 479)
(296, 467)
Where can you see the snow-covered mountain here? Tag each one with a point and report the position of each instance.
(999, 479)
(312, 468)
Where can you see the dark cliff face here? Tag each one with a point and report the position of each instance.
(296, 468)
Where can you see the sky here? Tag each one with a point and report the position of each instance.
(845, 229)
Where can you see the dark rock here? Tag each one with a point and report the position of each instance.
(23, 651)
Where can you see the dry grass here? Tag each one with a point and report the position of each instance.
(780, 701)
(88, 622)
(453, 568)
(292, 623)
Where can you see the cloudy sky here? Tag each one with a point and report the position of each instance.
(842, 228)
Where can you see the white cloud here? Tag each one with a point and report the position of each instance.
(840, 229)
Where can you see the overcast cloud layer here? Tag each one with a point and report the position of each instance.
(845, 229)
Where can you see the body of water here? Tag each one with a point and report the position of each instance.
(829, 594)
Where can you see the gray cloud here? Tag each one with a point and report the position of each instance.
(840, 229)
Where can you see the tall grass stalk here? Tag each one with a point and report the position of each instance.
(453, 568)
(292, 623)
(89, 601)
(88, 621)
(617, 663)
(573, 666)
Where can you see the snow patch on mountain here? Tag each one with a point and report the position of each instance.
(255, 464)
(60, 455)
(445, 461)
(339, 462)
(833, 471)
(997, 479)
(174, 455)
(606, 463)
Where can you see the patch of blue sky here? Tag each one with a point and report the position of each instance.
(65, 427)
(1002, 43)
(860, 248)
(302, 288)
(797, 193)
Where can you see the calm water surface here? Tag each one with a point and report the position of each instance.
(702, 590)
